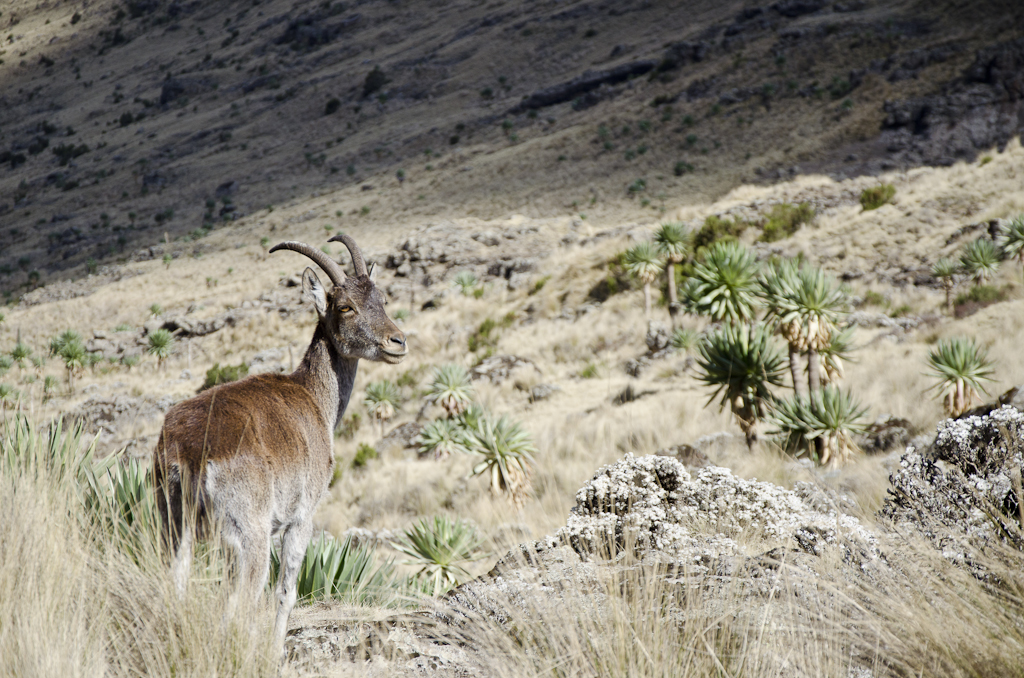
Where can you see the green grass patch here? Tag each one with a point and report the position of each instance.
(364, 453)
(876, 196)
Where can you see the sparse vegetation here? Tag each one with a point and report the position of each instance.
(876, 196)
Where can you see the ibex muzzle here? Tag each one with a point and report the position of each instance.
(256, 455)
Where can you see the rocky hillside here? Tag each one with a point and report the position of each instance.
(123, 124)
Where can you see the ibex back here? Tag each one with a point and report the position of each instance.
(254, 457)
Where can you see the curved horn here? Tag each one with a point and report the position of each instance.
(353, 249)
(330, 266)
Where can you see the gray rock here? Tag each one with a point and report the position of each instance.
(499, 368)
(886, 433)
(400, 439)
(542, 392)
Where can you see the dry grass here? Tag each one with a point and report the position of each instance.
(576, 430)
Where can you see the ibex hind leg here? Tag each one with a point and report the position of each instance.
(178, 532)
(248, 554)
(294, 542)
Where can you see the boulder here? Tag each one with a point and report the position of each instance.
(887, 433)
(499, 368)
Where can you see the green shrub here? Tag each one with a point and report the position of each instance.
(784, 220)
(589, 371)
(375, 80)
(876, 196)
(715, 229)
(981, 294)
(364, 453)
(67, 152)
(681, 168)
(222, 375)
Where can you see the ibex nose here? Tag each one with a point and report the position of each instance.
(397, 341)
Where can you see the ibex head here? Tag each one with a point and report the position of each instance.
(352, 312)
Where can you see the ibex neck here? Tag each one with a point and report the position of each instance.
(328, 375)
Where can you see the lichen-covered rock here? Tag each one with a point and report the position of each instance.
(653, 503)
(960, 494)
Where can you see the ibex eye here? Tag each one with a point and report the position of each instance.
(345, 309)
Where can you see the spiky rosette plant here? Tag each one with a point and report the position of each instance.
(821, 427)
(806, 303)
(506, 452)
(73, 353)
(161, 343)
(441, 547)
(960, 366)
(20, 353)
(1011, 239)
(673, 241)
(834, 355)
(451, 388)
(980, 260)
(643, 262)
(741, 362)
(382, 401)
(947, 270)
(466, 282)
(684, 339)
(442, 438)
(341, 570)
(723, 285)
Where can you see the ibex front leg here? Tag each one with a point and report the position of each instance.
(294, 542)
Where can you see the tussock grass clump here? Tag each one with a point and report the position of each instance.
(876, 196)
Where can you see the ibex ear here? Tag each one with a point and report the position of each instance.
(373, 273)
(314, 291)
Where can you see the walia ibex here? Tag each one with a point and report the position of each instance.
(253, 457)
